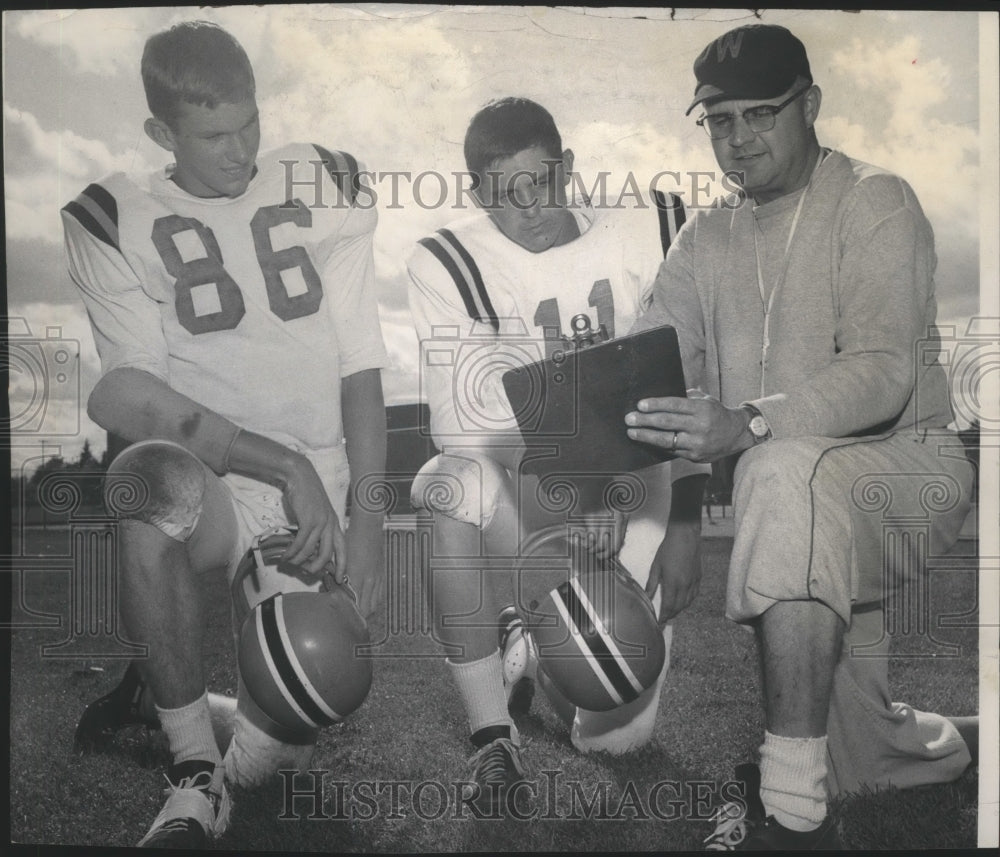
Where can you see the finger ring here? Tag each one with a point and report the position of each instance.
(673, 446)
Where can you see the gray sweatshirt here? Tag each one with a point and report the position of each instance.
(852, 308)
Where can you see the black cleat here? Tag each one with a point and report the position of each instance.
(741, 825)
(736, 819)
(496, 766)
(111, 713)
(772, 836)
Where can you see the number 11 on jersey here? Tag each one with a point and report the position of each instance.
(547, 316)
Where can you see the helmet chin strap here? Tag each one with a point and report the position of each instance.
(255, 546)
(264, 554)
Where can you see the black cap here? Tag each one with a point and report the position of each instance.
(755, 61)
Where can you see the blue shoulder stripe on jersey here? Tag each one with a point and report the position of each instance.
(672, 217)
(433, 244)
(488, 312)
(97, 212)
(457, 260)
(343, 169)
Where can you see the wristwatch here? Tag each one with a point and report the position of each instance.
(758, 427)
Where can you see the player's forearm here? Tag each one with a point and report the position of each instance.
(363, 408)
(138, 406)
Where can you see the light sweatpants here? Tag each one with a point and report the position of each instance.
(849, 522)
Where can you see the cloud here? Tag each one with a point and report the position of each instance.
(48, 168)
(939, 158)
(36, 272)
(898, 95)
(400, 378)
(366, 84)
(396, 86)
(645, 152)
(99, 41)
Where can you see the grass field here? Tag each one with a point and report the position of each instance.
(411, 729)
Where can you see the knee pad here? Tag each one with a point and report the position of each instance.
(158, 483)
(468, 487)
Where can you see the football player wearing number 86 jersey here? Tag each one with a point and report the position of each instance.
(235, 316)
(532, 272)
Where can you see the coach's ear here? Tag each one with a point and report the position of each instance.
(567, 159)
(811, 103)
(160, 133)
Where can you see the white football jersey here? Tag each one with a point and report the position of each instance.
(482, 304)
(254, 306)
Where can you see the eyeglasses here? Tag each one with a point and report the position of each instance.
(719, 126)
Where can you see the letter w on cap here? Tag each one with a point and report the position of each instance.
(730, 43)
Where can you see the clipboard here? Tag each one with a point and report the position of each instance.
(570, 407)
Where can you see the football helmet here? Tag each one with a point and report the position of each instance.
(299, 652)
(596, 632)
(262, 572)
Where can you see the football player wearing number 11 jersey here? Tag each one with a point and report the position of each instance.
(532, 272)
(236, 320)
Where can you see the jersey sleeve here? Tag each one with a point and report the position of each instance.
(348, 265)
(125, 320)
(461, 359)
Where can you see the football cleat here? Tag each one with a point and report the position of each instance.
(596, 634)
(299, 653)
(736, 818)
(772, 836)
(496, 766)
(197, 807)
(741, 824)
(519, 662)
(112, 712)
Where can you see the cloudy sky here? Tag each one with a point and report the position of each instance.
(396, 86)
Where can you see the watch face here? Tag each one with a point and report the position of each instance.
(758, 427)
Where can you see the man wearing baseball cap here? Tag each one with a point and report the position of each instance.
(805, 313)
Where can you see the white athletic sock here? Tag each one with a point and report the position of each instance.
(189, 731)
(480, 684)
(792, 774)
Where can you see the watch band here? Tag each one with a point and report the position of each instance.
(757, 426)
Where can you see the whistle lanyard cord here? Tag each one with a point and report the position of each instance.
(768, 301)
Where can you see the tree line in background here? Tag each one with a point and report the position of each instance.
(85, 473)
